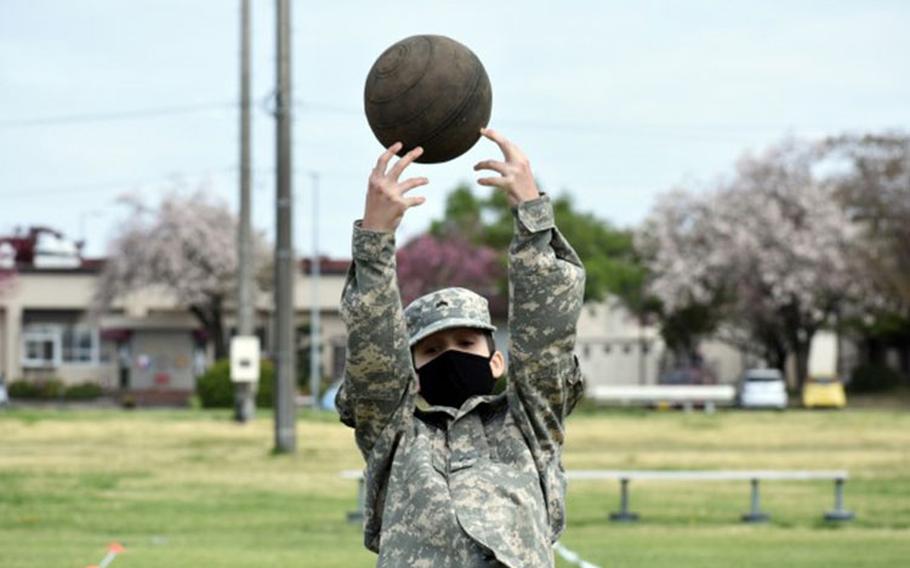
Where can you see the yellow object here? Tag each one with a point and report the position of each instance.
(824, 393)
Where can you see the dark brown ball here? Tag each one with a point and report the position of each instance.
(429, 91)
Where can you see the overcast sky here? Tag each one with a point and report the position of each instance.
(614, 102)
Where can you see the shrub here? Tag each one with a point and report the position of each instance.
(46, 389)
(51, 388)
(873, 378)
(24, 389)
(83, 391)
(214, 386)
(215, 389)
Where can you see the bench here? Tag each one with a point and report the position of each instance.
(755, 514)
(707, 396)
(356, 515)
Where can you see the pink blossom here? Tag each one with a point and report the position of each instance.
(428, 263)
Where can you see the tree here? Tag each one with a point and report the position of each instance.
(609, 256)
(187, 247)
(690, 293)
(872, 179)
(768, 249)
(427, 263)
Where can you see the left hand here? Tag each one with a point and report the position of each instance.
(515, 177)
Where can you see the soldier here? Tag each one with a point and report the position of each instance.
(457, 476)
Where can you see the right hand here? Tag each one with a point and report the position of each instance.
(515, 177)
(386, 202)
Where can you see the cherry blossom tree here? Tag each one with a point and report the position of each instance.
(768, 249)
(428, 263)
(682, 271)
(188, 247)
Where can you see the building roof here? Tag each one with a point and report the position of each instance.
(25, 244)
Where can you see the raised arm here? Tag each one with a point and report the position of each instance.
(546, 290)
(378, 375)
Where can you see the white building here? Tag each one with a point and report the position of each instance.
(614, 348)
(146, 344)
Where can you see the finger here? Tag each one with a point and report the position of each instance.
(501, 141)
(494, 165)
(405, 162)
(383, 162)
(499, 182)
(414, 201)
(409, 184)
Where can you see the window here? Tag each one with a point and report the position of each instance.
(79, 345)
(40, 346)
(49, 345)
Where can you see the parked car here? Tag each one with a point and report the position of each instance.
(824, 392)
(762, 388)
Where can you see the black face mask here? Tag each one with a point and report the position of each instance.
(454, 377)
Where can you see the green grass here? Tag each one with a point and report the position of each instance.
(191, 488)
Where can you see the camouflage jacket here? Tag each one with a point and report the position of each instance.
(483, 485)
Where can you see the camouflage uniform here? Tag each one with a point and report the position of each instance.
(484, 485)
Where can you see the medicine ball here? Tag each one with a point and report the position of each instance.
(429, 91)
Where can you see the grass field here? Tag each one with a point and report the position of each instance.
(191, 488)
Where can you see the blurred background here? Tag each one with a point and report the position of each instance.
(735, 177)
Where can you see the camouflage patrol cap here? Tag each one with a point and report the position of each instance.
(445, 309)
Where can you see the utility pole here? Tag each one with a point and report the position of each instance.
(315, 331)
(285, 431)
(244, 391)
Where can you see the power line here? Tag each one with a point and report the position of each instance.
(177, 176)
(328, 108)
(590, 127)
(133, 114)
(42, 193)
(153, 112)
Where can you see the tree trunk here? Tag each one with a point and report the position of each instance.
(802, 364)
(212, 319)
(777, 357)
(798, 331)
(773, 345)
(219, 337)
